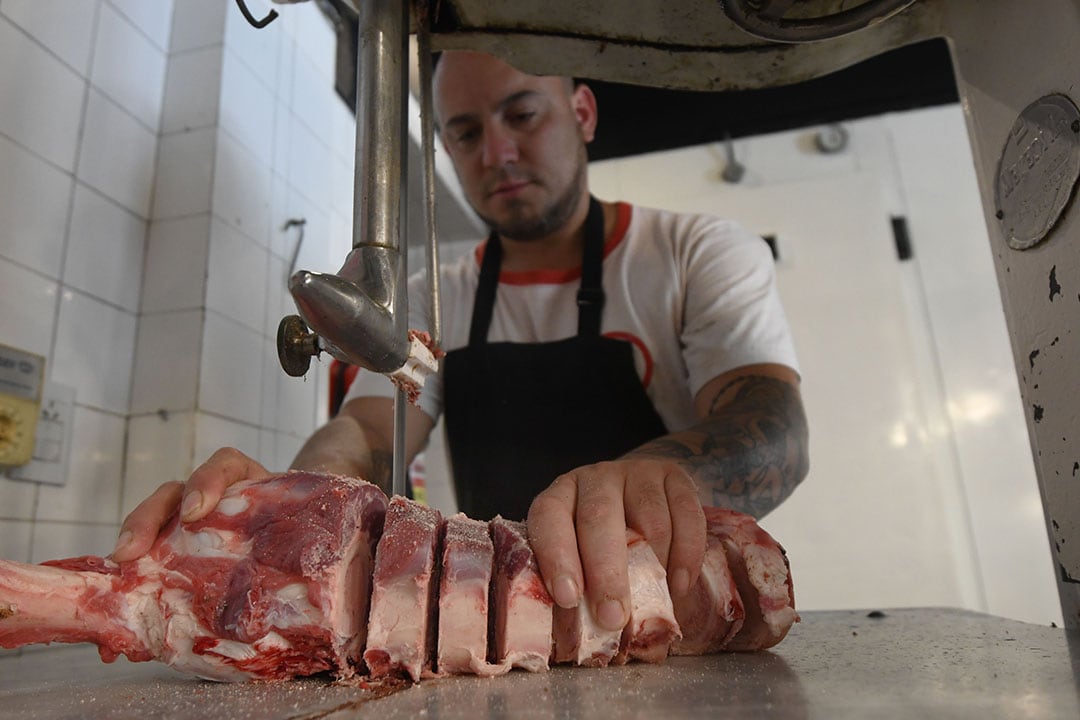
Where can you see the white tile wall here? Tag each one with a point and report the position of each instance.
(95, 344)
(237, 286)
(54, 540)
(185, 174)
(29, 315)
(109, 132)
(169, 349)
(242, 189)
(315, 38)
(128, 67)
(20, 499)
(34, 201)
(47, 117)
(216, 432)
(154, 19)
(15, 540)
(105, 250)
(176, 264)
(190, 101)
(231, 370)
(257, 48)
(92, 492)
(65, 28)
(247, 107)
(198, 24)
(160, 449)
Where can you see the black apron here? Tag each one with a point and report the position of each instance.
(518, 415)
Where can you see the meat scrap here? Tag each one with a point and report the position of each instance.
(273, 584)
(300, 573)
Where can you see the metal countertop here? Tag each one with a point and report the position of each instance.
(911, 663)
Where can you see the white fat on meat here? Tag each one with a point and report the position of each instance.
(521, 604)
(652, 625)
(464, 590)
(711, 612)
(401, 627)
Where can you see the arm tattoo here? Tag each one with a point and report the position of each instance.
(751, 451)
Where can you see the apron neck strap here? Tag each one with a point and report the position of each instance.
(590, 296)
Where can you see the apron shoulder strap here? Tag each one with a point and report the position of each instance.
(590, 297)
(484, 304)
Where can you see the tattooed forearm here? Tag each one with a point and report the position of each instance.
(382, 467)
(751, 451)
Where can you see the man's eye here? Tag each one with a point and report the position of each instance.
(467, 136)
(522, 117)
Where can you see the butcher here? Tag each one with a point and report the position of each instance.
(608, 367)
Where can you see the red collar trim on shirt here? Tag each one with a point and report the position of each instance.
(623, 213)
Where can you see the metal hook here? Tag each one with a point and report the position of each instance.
(251, 18)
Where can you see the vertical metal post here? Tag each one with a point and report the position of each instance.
(427, 130)
(381, 136)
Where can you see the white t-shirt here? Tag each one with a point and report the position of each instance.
(695, 295)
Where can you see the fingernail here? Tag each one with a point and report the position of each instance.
(680, 582)
(565, 591)
(191, 505)
(610, 614)
(123, 541)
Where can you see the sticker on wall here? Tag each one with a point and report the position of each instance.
(1038, 170)
(21, 375)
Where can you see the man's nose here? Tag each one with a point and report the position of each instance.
(499, 146)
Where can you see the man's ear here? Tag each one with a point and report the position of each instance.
(584, 104)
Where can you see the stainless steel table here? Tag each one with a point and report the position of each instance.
(912, 663)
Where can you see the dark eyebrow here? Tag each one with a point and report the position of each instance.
(508, 100)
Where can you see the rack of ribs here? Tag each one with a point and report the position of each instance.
(302, 573)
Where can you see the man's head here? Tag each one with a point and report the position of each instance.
(517, 141)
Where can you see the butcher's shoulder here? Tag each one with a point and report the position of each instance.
(692, 239)
(681, 230)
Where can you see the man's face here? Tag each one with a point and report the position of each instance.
(517, 141)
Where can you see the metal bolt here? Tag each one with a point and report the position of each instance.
(1075, 126)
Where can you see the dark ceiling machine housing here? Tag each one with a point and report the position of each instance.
(636, 119)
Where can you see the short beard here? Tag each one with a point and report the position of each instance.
(551, 219)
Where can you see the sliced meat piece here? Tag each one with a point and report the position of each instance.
(402, 622)
(762, 575)
(464, 589)
(711, 612)
(521, 604)
(652, 626)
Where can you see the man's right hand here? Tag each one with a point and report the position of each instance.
(195, 498)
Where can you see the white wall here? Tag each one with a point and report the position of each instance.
(148, 160)
(922, 489)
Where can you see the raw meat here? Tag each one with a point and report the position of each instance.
(272, 584)
(521, 604)
(743, 599)
(580, 640)
(402, 625)
(712, 611)
(762, 575)
(464, 590)
(277, 582)
(652, 626)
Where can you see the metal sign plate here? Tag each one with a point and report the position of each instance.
(1037, 173)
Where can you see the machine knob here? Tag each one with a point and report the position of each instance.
(296, 345)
